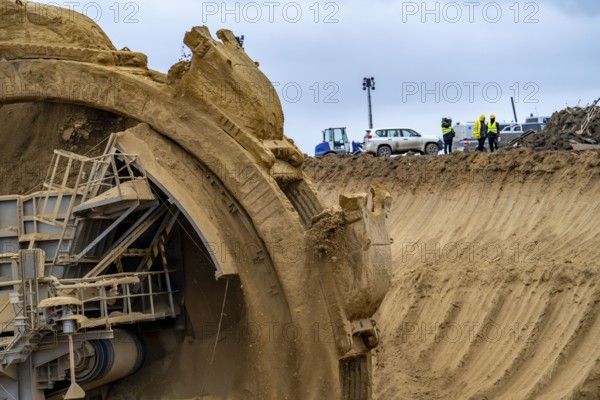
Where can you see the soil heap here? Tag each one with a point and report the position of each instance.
(561, 132)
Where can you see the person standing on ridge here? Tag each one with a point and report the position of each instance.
(480, 133)
(493, 133)
(448, 134)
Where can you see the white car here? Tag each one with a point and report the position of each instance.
(387, 141)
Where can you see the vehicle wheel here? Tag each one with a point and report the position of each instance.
(432, 148)
(384, 151)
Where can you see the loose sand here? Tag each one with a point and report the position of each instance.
(495, 281)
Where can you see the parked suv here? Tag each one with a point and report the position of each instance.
(388, 141)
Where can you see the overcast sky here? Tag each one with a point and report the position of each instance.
(429, 59)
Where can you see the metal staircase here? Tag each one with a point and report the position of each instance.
(96, 210)
(80, 190)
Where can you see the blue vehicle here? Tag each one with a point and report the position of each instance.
(335, 141)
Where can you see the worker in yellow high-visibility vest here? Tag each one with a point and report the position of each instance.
(448, 134)
(480, 133)
(493, 133)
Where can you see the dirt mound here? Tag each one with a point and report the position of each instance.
(561, 131)
(495, 286)
(28, 137)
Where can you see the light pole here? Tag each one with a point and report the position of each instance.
(368, 85)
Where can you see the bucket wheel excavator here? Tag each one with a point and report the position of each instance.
(191, 257)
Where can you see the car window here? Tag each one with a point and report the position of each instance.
(381, 133)
(413, 133)
(535, 127)
(394, 133)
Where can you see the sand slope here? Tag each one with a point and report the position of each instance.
(29, 133)
(495, 291)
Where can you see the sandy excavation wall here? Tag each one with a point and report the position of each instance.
(495, 281)
(31, 131)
